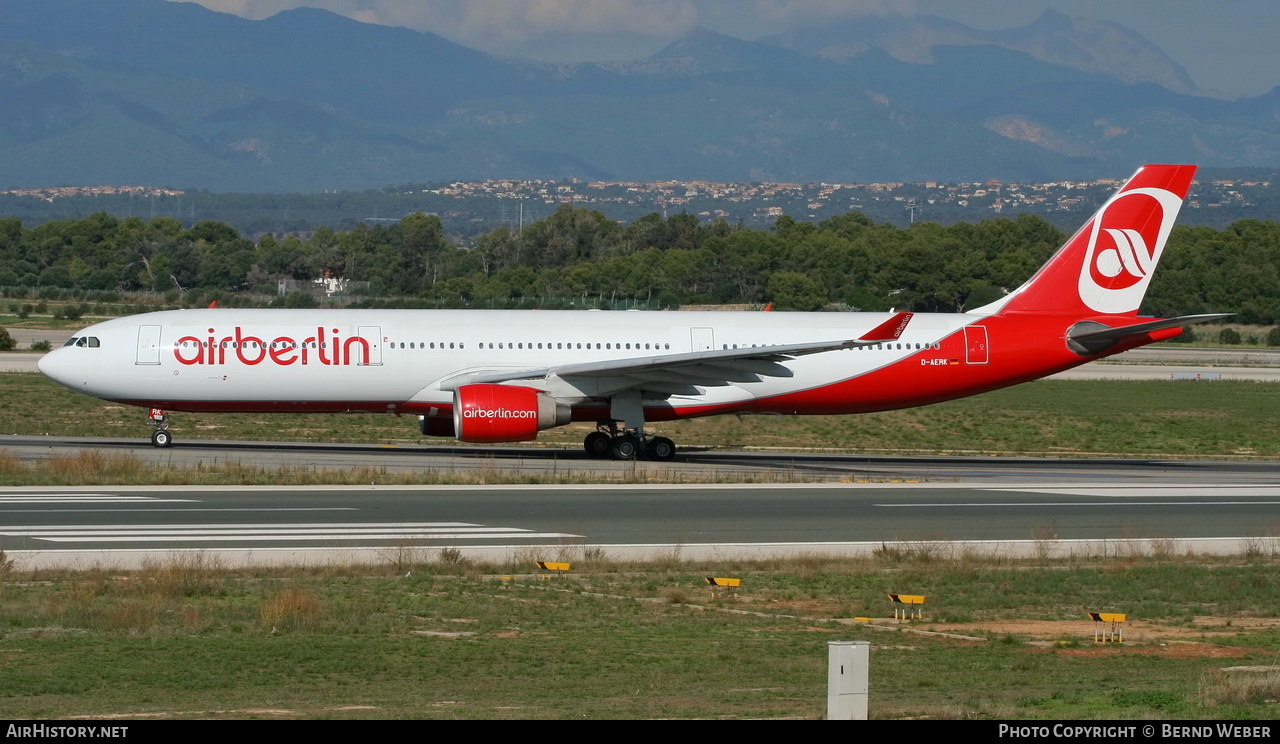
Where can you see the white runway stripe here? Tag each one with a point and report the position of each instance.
(247, 526)
(1032, 504)
(1141, 491)
(326, 531)
(273, 531)
(85, 498)
(82, 510)
(488, 535)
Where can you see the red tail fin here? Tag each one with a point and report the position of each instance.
(1106, 266)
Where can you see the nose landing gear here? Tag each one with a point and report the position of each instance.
(160, 437)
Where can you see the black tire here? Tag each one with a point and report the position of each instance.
(161, 438)
(661, 449)
(597, 444)
(625, 447)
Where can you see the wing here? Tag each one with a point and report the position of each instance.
(683, 374)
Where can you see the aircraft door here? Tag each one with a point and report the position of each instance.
(703, 339)
(372, 335)
(148, 344)
(975, 344)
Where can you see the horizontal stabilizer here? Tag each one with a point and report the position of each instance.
(1090, 337)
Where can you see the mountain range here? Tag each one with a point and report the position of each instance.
(172, 94)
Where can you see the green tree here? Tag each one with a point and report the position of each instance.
(791, 290)
(421, 246)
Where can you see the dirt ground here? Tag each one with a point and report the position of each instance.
(1182, 641)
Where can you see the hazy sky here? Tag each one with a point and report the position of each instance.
(1227, 46)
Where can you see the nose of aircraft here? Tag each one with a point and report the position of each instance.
(58, 367)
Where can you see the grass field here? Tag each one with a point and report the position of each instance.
(425, 634)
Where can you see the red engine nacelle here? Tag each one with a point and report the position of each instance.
(504, 413)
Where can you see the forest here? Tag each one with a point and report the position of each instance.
(577, 257)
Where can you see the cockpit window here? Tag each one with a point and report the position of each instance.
(93, 342)
(82, 341)
(71, 341)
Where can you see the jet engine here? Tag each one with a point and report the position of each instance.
(504, 413)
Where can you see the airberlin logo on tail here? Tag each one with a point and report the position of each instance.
(1126, 238)
(321, 348)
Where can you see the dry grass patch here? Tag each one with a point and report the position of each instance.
(292, 608)
(1239, 688)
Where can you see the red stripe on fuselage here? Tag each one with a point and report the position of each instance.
(1019, 349)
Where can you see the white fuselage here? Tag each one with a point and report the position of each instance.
(402, 360)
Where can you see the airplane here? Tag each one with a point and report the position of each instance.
(489, 376)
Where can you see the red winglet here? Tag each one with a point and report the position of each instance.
(888, 330)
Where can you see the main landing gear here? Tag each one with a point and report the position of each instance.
(160, 437)
(627, 445)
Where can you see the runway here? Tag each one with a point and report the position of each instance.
(1099, 510)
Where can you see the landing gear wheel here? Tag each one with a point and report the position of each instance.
(597, 444)
(661, 448)
(625, 447)
(162, 438)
